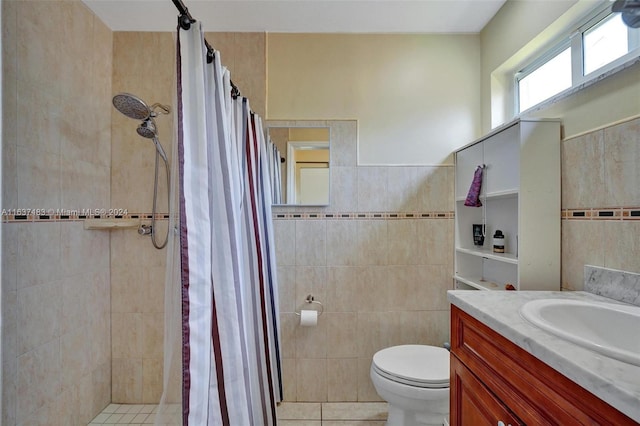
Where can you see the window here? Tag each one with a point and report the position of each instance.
(601, 44)
(552, 77)
(604, 43)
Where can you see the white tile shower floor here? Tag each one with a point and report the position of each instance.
(289, 414)
(127, 414)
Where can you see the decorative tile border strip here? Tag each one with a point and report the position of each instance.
(602, 213)
(362, 215)
(25, 216)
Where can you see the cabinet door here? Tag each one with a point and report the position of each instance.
(466, 162)
(502, 158)
(494, 372)
(472, 403)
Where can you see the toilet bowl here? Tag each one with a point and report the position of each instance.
(414, 380)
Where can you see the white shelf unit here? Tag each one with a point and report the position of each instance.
(521, 197)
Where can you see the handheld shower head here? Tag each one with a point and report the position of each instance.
(147, 129)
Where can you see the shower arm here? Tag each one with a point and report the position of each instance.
(164, 109)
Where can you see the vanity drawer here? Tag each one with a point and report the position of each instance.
(536, 393)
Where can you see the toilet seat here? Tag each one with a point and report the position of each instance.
(414, 365)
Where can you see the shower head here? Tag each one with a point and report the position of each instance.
(134, 107)
(131, 106)
(629, 10)
(147, 129)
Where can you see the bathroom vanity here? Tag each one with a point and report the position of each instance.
(506, 371)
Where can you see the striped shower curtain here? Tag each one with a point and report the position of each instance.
(230, 349)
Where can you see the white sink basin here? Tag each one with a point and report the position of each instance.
(609, 329)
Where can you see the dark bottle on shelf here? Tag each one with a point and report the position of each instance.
(498, 242)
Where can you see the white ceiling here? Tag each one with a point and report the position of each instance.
(306, 16)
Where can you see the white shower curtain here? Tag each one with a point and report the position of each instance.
(229, 305)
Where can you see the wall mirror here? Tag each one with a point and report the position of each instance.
(304, 172)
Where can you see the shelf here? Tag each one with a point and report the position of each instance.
(516, 199)
(107, 224)
(497, 195)
(479, 283)
(511, 193)
(486, 253)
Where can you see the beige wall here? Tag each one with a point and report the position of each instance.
(309, 134)
(382, 281)
(416, 97)
(609, 101)
(244, 54)
(506, 41)
(313, 155)
(56, 346)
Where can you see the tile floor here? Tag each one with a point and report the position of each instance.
(130, 414)
(332, 414)
(289, 414)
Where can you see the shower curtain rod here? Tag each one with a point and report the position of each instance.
(185, 20)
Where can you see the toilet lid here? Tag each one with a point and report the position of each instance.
(417, 365)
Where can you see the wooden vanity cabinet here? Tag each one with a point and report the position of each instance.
(474, 403)
(493, 380)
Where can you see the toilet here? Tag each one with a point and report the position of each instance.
(414, 380)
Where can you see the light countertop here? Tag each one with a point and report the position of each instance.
(615, 382)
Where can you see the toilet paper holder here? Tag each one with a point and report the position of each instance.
(310, 299)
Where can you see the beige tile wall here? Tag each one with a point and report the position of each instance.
(600, 170)
(144, 65)
(382, 282)
(56, 155)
